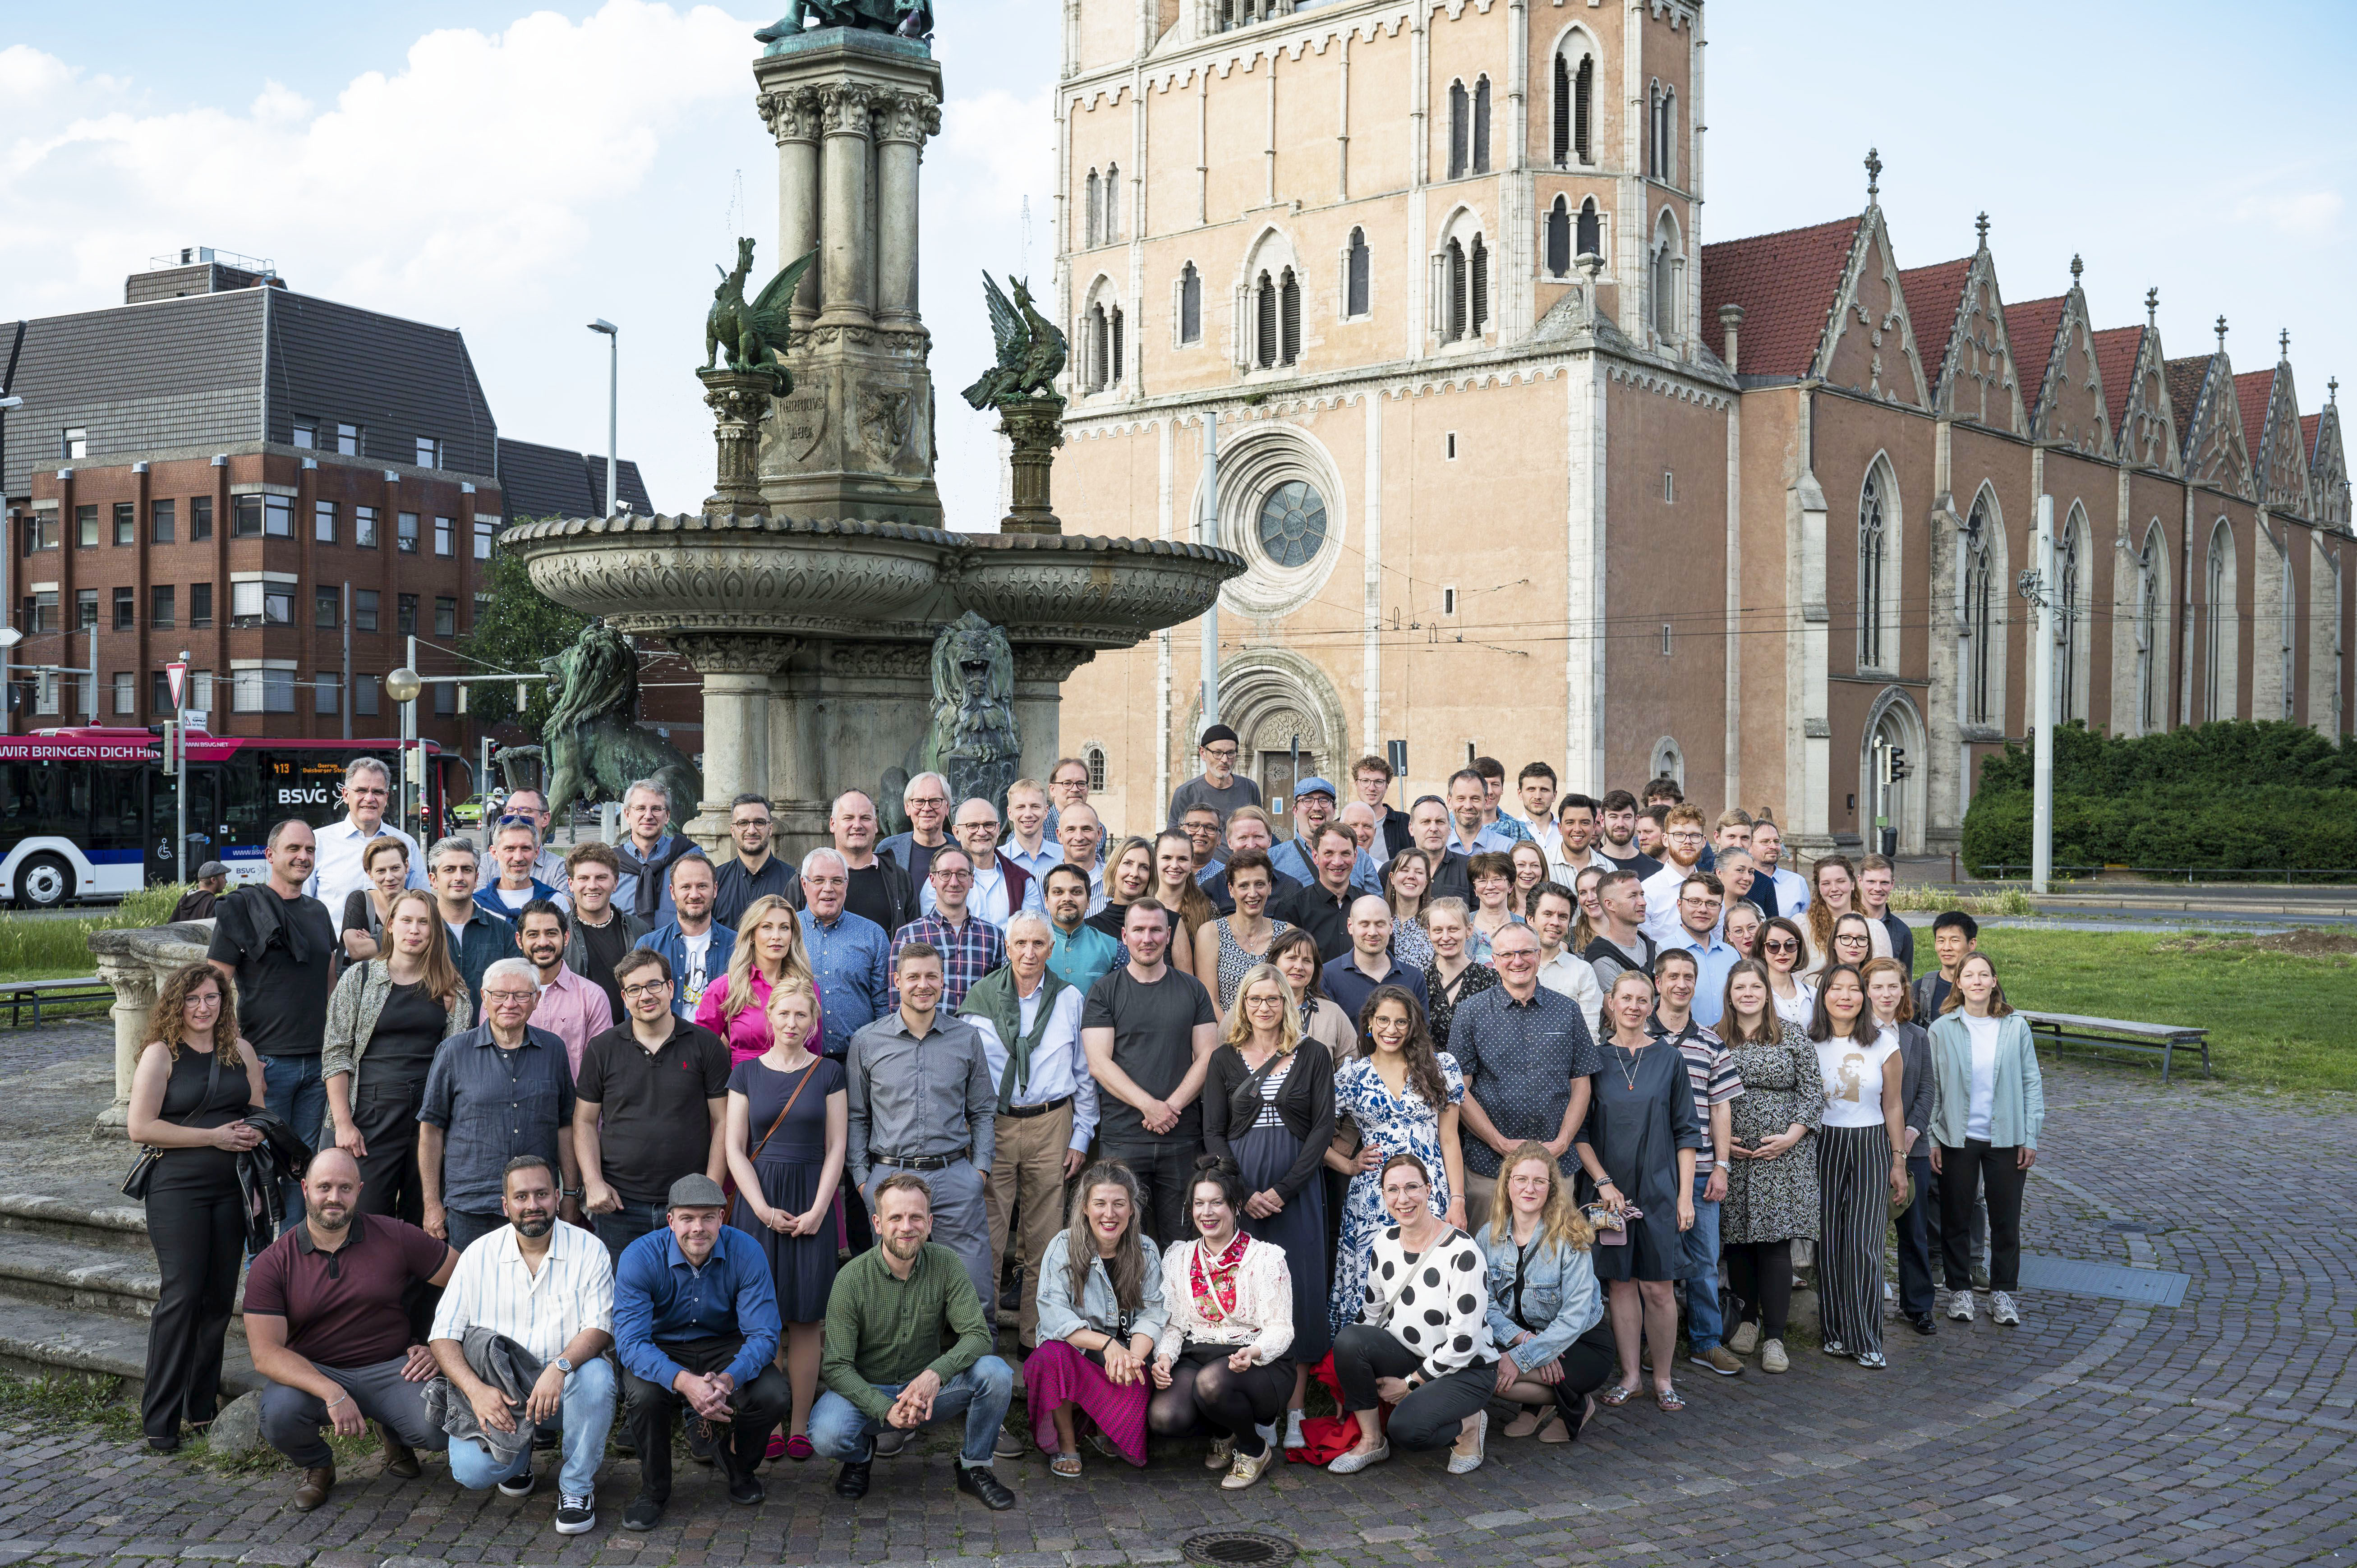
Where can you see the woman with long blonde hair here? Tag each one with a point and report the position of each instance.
(385, 1019)
(1269, 1107)
(769, 949)
(1546, 1312)
(195, 1082)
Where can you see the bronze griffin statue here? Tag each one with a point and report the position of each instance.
(1031, 350)
(753, 335)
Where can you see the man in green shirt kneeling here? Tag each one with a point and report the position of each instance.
(885, 1366)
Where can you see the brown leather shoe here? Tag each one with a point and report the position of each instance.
(316, 1484)
(400, 1458)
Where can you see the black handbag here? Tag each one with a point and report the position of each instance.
(143, 1170)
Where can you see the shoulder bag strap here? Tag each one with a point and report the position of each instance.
(808, 1073)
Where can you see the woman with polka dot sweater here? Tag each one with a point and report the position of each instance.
(1422, 1343)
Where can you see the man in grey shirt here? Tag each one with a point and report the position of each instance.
(922, 1100)
(1218, 787)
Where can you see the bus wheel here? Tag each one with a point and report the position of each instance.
(42, 883)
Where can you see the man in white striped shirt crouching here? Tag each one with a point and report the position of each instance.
(520, 1334)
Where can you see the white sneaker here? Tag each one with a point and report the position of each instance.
(1772, 1358)
(1960, 1307)
(1293, 1438)
(1464, 1463)
(2001, 1308)
(1744, 1340)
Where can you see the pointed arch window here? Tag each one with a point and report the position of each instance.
(2218, 684)
(2287, 621)
(1653, 131)
(1265, 322)
(1980, 625)
(1190, 304)
(1288, 322)
(1113, 350)
(1669, 142)
(1356, 270)
(2147, 630)
(1461, 130)
(1453, 306)
(1112, 230)
(1098, 334)
(1668, 273)
(2069, 620)
(1478, 321)
(1872, 545)
(1482, 126)
(1558, 238)
(1591, 240)
(1092, 210)
(1562, 127)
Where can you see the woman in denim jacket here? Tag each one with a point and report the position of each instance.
(1098, 1325)
(1992, 1103)
(1546, 1311)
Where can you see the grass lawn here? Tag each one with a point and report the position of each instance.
(2276, 1018)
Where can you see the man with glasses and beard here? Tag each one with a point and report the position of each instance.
(328, 1328)
(521, 1336)
(753, 871)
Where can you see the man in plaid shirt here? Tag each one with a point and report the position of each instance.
(971, 946)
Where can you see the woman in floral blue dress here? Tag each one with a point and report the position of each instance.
(1400, 1096)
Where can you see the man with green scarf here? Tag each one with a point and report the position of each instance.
(1029, 1021)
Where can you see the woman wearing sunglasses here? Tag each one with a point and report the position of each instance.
(1781, 947)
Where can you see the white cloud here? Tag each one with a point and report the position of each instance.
(2304, 214)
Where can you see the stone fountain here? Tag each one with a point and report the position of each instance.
(809, 590)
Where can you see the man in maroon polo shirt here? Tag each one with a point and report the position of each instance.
(325, 1322)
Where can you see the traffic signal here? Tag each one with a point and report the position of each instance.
(1897, 763)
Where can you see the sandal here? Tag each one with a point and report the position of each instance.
(1068, 1465)
(1616, 1396)
(1666, 1396)
(1526, 1421)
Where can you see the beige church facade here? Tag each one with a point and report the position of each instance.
(1523, 468)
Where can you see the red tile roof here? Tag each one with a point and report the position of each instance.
(2253, 390)
(2115, 357)
(1785, 282)
(2032, 326)
(1934, 296)
(2185, 379)
(2310, 423)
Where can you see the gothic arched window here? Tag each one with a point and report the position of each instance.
(1355, 301)
(1872, 544)
(1558, 239)
(1190, 304)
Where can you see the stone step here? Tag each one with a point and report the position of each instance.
(39, 1340)
(119, 1227)
(36, 1268)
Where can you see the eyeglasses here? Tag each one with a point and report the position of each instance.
(1264, 1001)
(1225, 753)
(929, 800)
(946, 875)
(749, 821)
(651, 988)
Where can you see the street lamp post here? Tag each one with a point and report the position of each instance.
(613, 415)
(403, 686)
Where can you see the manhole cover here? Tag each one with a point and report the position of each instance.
(2140, 1287)
(1234, 1546)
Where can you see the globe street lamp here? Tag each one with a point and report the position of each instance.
(403, 686)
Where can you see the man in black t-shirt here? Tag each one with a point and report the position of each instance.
(1149, 1031)
(602, 933)
(880, 887)
(279, 948)
(653, 1097)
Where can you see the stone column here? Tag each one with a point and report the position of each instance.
(847, 238)
(739, 400)
(903, 122)
(1034, 428)
(736, 670)
(136, 963)
(792, 115)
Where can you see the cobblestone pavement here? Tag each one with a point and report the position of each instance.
(2221, 1431)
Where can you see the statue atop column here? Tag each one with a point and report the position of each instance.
(902, 19)
(754, 334)
(1022, 387)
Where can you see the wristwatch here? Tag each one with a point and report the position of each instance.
(564, 1364)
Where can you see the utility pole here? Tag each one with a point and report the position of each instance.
(2037, 586)
(346, 702)
(1208, 532)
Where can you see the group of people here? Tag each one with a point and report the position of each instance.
(764, 1148)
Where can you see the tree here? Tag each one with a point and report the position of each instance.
(520, 627)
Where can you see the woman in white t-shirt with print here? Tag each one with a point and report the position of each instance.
(1992, 1103)
(1859, 1161)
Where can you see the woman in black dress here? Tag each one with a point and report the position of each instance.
(385, 1019)
(1638, 1145)
(788, 1132)
(195, 1082)
(1269, 1107)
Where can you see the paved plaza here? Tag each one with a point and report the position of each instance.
(2222, 1431)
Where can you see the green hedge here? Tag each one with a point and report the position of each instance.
(2229, 796)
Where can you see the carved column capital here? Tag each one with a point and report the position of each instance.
(714, 653)
(790, 112)
(906, 116)
(848, 107)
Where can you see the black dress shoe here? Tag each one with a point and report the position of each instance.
(164, 1445)
(745, 1490)
(981, 1482)
(851, 1481)
(643, 1514)
(1925, 1326)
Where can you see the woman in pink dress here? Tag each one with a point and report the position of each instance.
(769, 947)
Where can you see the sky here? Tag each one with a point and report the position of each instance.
(514, 173)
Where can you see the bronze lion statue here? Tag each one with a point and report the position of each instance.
(974, 741)
(596, 746)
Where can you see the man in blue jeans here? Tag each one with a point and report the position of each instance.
(1710, 1068)
(884, 1365)
(277, 946)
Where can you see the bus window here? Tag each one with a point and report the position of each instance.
(116, 822)
(245, 812)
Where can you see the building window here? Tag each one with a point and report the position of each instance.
(201, 690)
(1288, 318)
(1452, 320)
(2286, 619)
(404, 532)
(445, 699)
(159, 693)
(162, 603)
(327, 604)
(1575, 96)
(1979, 622)
(306, 433)
(126, 609)
(406, 623)
(1558, 238)
(445, 616)
(1111, 204)
(160, 521)
(1293, 524)
(364, 527)
(261, 604)
(2069, 612)
(484, 528)
(42, 611)
(127, 693)
(86, 610)
(201, 606)
(429, 452)
(1190, 304)
(2147, 626)
(1355, 276)
(323, 522)
(86, 527)
(1461, 130)
(1669, 271)
(73, 444)
(1264, 332)
(1591, 241)
(1482, 126)
(444, 537)
(270, 517)
(1098, 332)
(262, 691)
(1871, 544)
(1093, 210)
(347, 440)
(126, 522)
(364, 696)
(200, 518)
(40, 532)
(364, 609)
(1096, 760)
(323, 694)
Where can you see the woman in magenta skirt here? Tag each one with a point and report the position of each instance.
(1100, 1314)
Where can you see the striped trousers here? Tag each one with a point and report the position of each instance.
(1853, 1216)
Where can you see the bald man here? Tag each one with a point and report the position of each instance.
(1354, 977)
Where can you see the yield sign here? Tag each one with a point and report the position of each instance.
(177, 674)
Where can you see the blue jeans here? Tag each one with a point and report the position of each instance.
(1703, 1325)
(588, 1412)
(844, 1433)
(293, 1090)
(626, 1224)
